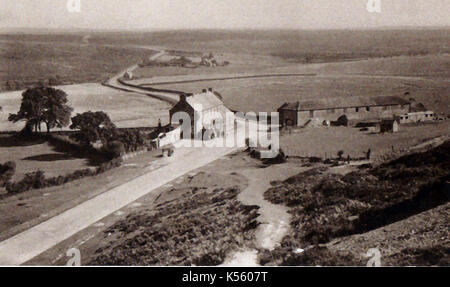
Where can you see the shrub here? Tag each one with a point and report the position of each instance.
(32, 180)
(115, 148)
(315, 159)
(7, 170)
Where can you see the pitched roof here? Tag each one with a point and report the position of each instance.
(290, 106)
(344, 102)
(206, 100)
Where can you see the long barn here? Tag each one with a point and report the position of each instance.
(354, 108)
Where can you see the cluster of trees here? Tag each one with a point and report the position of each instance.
(48, 105)
(96, 127)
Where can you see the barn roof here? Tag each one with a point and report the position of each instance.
(207, 100)
(344, 102)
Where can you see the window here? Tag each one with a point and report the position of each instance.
(345, 110)
(357, 110)
(368, 109)
(311, 114)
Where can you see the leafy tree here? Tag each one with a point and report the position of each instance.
(57, 112)
(93, 126)
(43, 104)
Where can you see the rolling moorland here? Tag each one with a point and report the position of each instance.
(67, 55)
(414, 61)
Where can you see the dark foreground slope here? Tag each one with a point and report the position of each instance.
(327, 206)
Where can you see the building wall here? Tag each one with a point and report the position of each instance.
(208, 117)
(416, 117)
(288, 117)
(360, 113)
(170, 138)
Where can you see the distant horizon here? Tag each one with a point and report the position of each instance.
(170, 15)
(94, 30)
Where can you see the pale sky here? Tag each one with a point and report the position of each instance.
(217, 14)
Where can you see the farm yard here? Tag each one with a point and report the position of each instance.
(325, 142)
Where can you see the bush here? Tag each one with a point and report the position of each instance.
(115, 148)
(315, 159)
(32, 180)
(7, 170)
(37, 180)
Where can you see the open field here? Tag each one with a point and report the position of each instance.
(328, 141)
(24, 63)
(41, 155)
(337, 80)
(125, 109)
(428, 66)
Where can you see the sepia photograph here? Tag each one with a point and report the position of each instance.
(245, 134)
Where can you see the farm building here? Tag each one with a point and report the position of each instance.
(165, 136)
(128, 75)
(353, 108)
(205, 110)
(416, 117)
(389, 126)
(383, 126)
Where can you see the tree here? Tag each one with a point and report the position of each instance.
(340, 154)
(92, 126)
(43, 104)
(57, 112)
